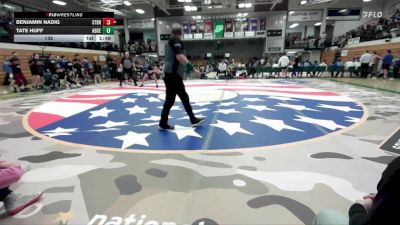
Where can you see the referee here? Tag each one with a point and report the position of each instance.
(175, 65)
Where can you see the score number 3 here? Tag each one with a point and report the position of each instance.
(108, 21)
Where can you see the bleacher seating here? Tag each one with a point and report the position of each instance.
(381, 49)
(24, 56)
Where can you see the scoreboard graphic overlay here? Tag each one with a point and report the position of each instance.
(239, 116)
(64, 27)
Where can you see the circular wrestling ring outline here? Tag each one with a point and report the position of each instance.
(27, 127)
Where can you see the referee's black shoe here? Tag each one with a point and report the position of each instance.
(166, 127)
(198, 121)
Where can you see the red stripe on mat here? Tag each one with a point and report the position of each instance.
(238, 85)
(37, 120)
(94, 101)
(95, 96)
(318, 93)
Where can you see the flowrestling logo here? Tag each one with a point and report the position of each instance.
(239, 116)
(372, 14)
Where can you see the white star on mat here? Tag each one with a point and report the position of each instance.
(133, 138)
(228, 103)
(200, 110)
(282, 98)
(340, 108)
(155, 118)
(59, 131)
(230, 128)
(201, 104)
(147, 124)
(129, 100)
(136, 109)
(329, 124)
(226, 111)
(174, 108)
(277, 125)
(259, 107)
(100, 113)
(352, 119)
(296, 107)
(62, 130)
(252, 99)
(103, 130)
(57, 134)
(182, 132)
(141, 94)
(110, 124)
(152, 99)
(187, 117)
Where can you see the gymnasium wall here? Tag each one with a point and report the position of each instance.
(26, 51)
(237, 48)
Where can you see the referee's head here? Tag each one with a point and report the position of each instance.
(176, 30)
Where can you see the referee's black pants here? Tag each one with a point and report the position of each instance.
(364, 70)
(174, 86)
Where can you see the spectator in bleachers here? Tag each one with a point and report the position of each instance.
(365, 60)
(7, 70)
(86, 66)
(386, 63)
(71, 80)
(316, 68)
(262, 62)
(338, 66)
(323, 65)
(232, 68)
(295, 63)
(357, 65)
(307, 66)
(17, 74)
(112, 65)
(283, 63)
(61, 75)
(301, 69)
(63, 63)
(349, 64)
(96, 70)
(222, 67)
(375, 63)
(37, 69)
(276, 66)
(69, 65)
(396, 66)
(77, 66)
(51, 64)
